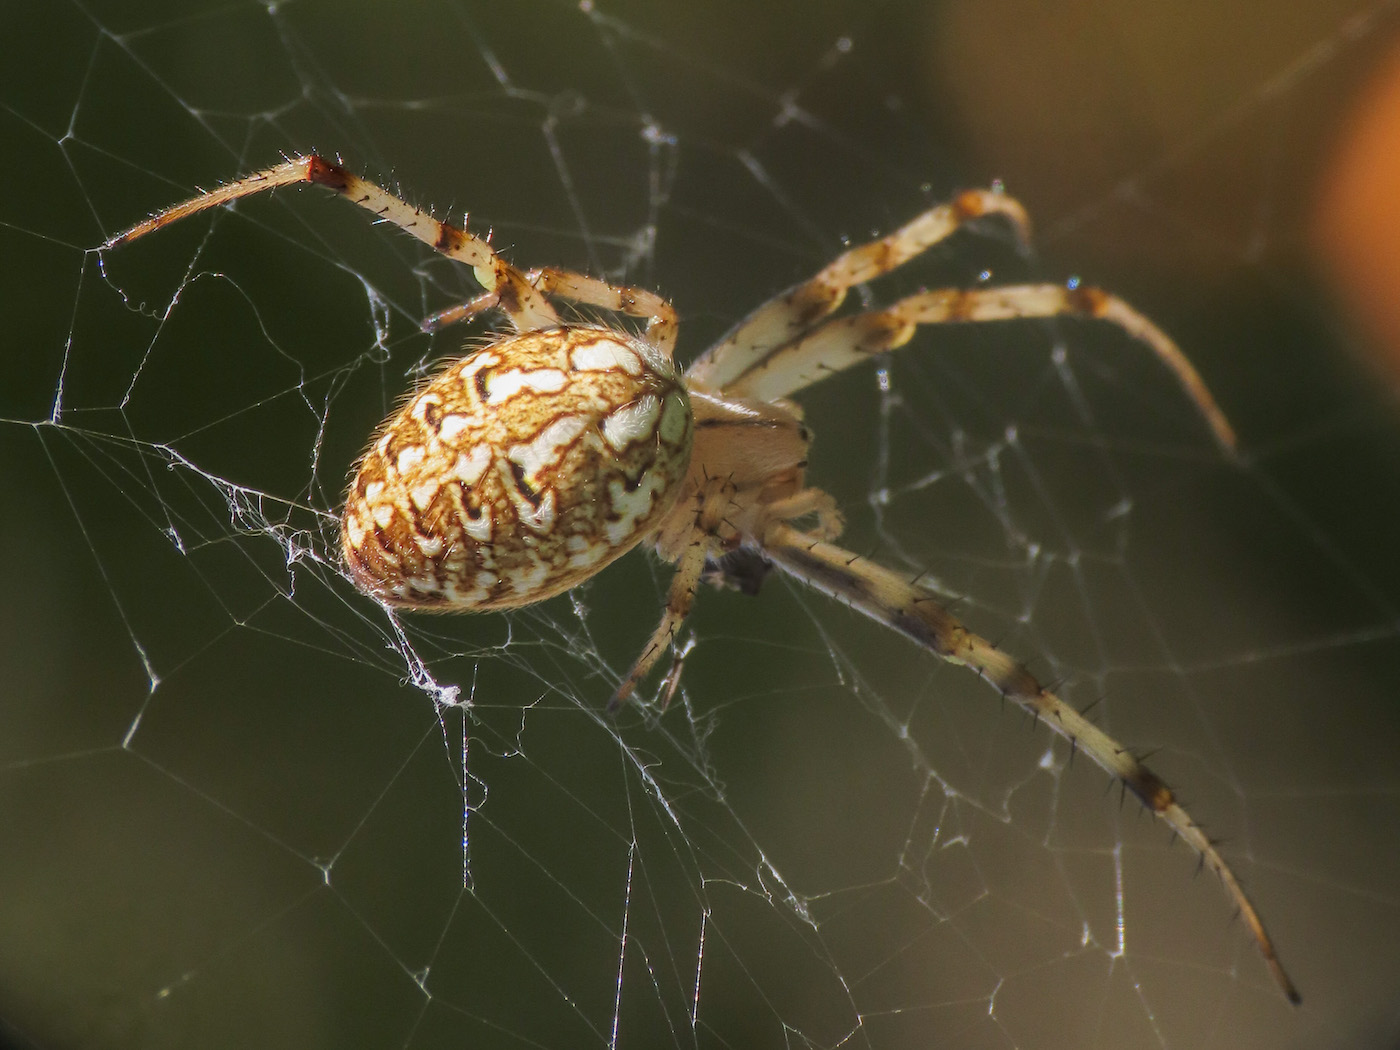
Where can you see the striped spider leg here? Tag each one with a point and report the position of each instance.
(781, 347)
(913, 611)
(532, 462)
(790, 343)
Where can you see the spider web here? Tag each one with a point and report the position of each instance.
(243, 806)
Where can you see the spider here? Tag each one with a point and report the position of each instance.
(531, 463)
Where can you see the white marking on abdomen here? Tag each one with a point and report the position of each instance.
(501, 386)
(634, 422)
(603, 355)
(540, 519)
(452, 425)
(471, 465)
(355, 530)
(410, 458)
(629, 506)
(478, 528)
(543, 449)
(424, 494)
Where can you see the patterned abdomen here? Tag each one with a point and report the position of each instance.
(518, 472)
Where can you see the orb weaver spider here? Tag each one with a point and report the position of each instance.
(533, 462)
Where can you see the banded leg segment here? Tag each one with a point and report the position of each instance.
(660, 315)
(712, 500)
(527, 308)
(889, 599)
(679, 599)
(846, 341)
(786, 316)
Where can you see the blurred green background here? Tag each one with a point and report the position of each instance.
(229, 818)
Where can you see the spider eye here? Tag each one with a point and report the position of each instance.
(519, 471)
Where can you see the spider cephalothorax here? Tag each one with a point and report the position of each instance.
(527, 466)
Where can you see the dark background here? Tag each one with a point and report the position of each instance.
(230, 816)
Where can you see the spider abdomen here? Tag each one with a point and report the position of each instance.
(519, 471)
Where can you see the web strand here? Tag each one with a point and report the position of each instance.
(239, 802)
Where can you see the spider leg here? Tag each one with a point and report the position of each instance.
(789, 314)
(712, 499)
(459, 313)
(527, 308)
(890, 599)
(679, 599)
(846, 341)
(634, 302)
(809, 501)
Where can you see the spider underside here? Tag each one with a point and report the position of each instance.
(529, 465)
